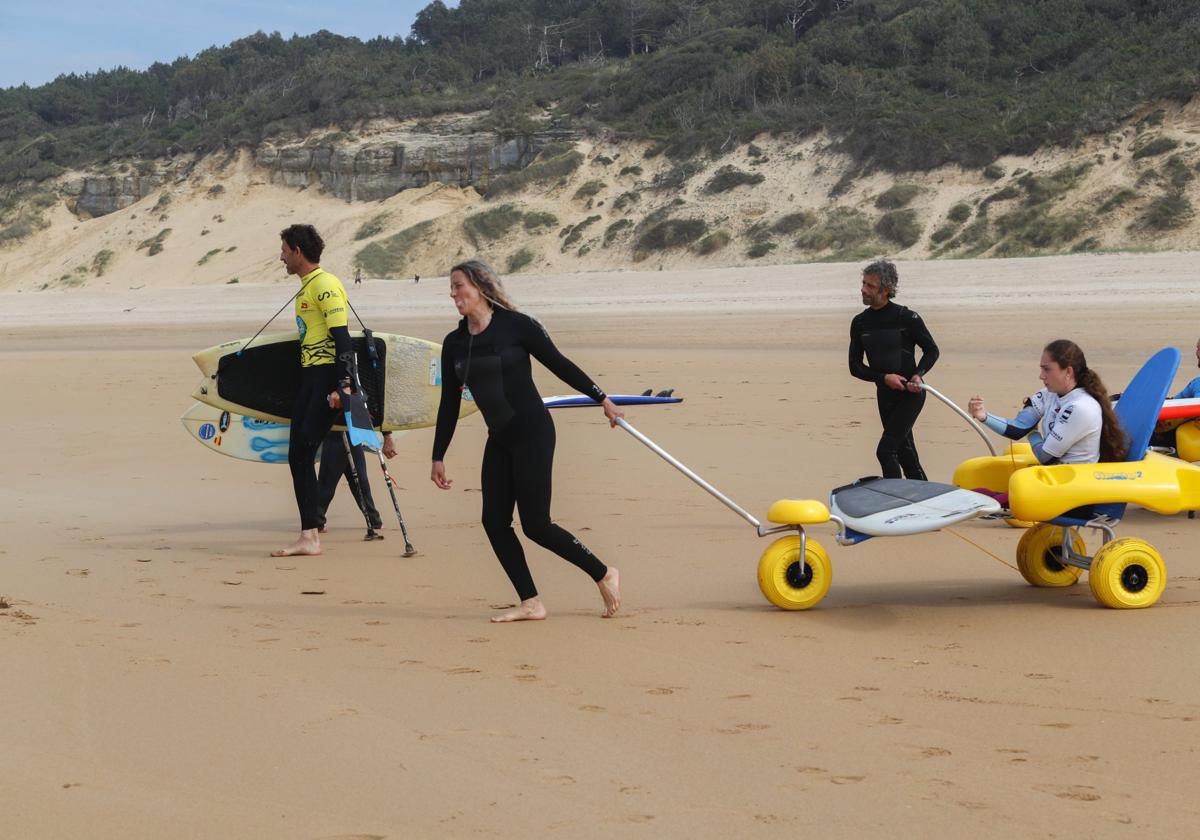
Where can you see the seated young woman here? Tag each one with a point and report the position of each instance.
(1070, 420)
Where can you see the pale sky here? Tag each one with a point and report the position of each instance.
(41, 39)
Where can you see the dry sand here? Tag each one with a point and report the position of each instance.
(164, 677)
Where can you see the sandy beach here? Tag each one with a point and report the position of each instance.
(165, 677)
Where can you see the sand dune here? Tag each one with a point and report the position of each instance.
(164, 677)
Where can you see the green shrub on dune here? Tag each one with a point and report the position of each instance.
(538, 173)
(1168, 212)
(670, 233)
(897, 196)
(574, 233)
(101, 261)
(519, 259)
(728, 177)
(535, 219)
(615, 229)
(154, 245)
(793, 222)
(589, 189)
(900, 227)
(388, 257)
(372, 227)
(959, 212)
(490, 225)
(1121, 196)
(714, 242)
(1156, 146)
(841, 229)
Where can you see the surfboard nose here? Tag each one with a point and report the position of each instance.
(798, 512)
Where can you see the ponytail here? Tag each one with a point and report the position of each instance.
(1114, 445)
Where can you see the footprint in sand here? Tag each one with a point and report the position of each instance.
(935, 752)
(846, 780)
(463, 670)
(1079, 793)
(1036, 676)
(768, 819)
(662, 690)
(1056, 725)
(479, 640)
(742, 728)
(591, 708)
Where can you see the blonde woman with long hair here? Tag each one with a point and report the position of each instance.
(489, 353)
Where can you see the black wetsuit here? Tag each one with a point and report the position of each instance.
(311, 420)
(519, 455)
(888, 337)
(333, 466)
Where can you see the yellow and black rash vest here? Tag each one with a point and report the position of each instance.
(320, 306)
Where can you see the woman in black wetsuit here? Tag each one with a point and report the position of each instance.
(489, 353)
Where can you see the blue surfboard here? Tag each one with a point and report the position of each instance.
(578, 400)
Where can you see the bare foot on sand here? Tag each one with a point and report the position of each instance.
(610, 591)
(531, 610)
(308, 545)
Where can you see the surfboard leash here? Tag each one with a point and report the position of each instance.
(981, 548)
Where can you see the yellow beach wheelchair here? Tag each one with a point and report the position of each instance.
(1063, 499)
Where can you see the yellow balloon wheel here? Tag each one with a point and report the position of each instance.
(1039, 557)
(1127, 574)
(781, 579)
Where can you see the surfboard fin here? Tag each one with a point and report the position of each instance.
(358, 422)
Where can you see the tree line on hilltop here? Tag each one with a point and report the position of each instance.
(903, 84)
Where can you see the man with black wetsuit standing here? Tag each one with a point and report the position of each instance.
(887, 334)
(327, 371)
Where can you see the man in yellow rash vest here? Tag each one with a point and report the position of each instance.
(327, 367)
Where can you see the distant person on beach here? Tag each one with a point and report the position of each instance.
(357, 276)
(416, 278)
(490, 352)
(1069, 421)
(887, 334)
(327, 371)
(334, 465)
